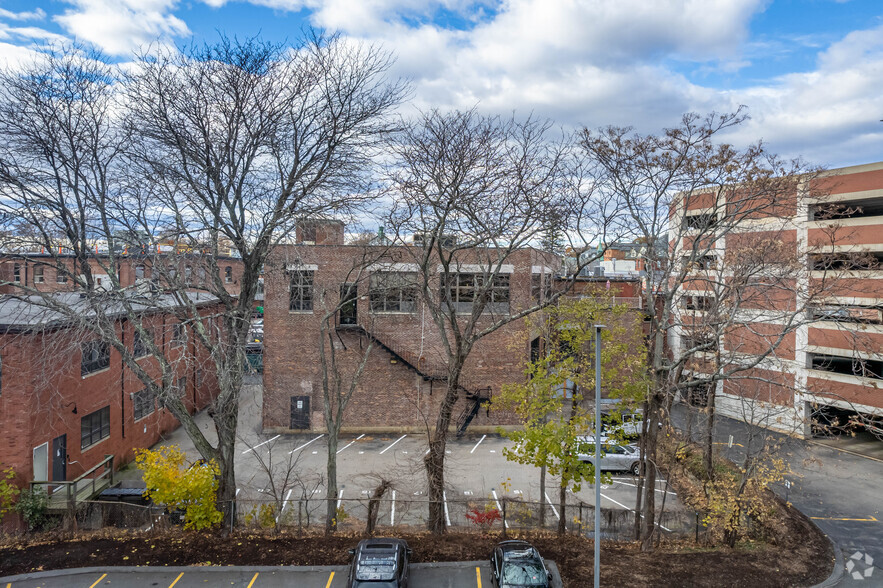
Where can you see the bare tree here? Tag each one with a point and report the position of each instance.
(709, 305)
(191, 159)
(474, 192)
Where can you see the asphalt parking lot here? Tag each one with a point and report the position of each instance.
(477, 473)
(431, 575)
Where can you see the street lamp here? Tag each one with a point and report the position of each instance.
(598, 455)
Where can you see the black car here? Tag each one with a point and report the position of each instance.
(518, 563)
(379, 563)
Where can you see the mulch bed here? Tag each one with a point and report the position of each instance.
(806, 561)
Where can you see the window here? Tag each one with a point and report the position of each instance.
(862, 208)
(139, 272)
(94, 427)
(703, 263)
(697, 302)
(144, 403)
(38, 274)
(179, 334)
(700, 221)
(16, 273)
(849, 314)
(308, 233)
(188, 274)
(140, 346)
(228, 274)
(198, 381)
(96, 357)
(464, 289)
(698, 341)
(60, 276)
(393, 292)
(540, 287)
(301, 291)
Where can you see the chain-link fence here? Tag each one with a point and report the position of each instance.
(391, 513)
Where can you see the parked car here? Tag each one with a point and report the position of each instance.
(625, 458)
(379, 563)
(625, 426)
(517, 563)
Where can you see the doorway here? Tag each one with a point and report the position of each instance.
(59, 458)
(349, 304)
(300, 412)
(41, 463)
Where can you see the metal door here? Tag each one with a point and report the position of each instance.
(59, 458)
(41, 463)
(300, 412)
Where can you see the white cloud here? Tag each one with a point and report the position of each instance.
(122, 26)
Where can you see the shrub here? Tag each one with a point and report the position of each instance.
(192, 489)
(32, 506)
(8, 491)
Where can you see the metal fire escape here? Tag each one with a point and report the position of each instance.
(475, 399)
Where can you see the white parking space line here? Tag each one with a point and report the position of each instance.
(392, 512)
(284, 504)
(259, 444)
(350, 443)
(631, 510)
(305, 444)
(615, 481)
(555, 510)
(447, 514)
(477, 444)
(391, 444)
(500, 508)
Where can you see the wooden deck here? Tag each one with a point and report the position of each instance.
(67, 495)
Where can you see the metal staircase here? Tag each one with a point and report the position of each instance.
(430, 373)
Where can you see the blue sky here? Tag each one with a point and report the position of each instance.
(810, 71)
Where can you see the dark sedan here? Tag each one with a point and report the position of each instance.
(516, 564)
(379, 563)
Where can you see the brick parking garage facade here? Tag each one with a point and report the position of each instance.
(403, 381)
(828, 372)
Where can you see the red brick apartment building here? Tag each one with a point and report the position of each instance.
(44, 272)
(403, 382)
(67, 401)
(831, 366)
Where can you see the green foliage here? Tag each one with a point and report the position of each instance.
(552, 421)
(192, 488)
(8, 491)
(32, 506)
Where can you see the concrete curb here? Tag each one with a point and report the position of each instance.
(839, 568)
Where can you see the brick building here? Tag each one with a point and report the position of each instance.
(66, 399)
(830, 367)
(404, 377)
(52, 273)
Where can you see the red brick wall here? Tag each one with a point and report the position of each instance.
(42, 384)
(391, 396)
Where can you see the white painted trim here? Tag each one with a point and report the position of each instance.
(474, 268)
(304, 267)
(843, 352)
(394, 267)
(540, 269)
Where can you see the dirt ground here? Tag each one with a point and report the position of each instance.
(804, 562)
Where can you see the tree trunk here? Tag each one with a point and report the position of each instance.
(708, 448)
(331, 506)
(435, 459)
(639, 485)
(562, 505)
(648, 521)
(542, 497)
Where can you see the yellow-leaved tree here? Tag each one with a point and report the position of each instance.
(172, 483)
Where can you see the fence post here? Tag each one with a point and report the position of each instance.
(580, 518)
(300, 504)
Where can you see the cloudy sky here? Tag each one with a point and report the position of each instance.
(810, 71)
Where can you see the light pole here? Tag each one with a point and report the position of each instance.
(598, 455)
